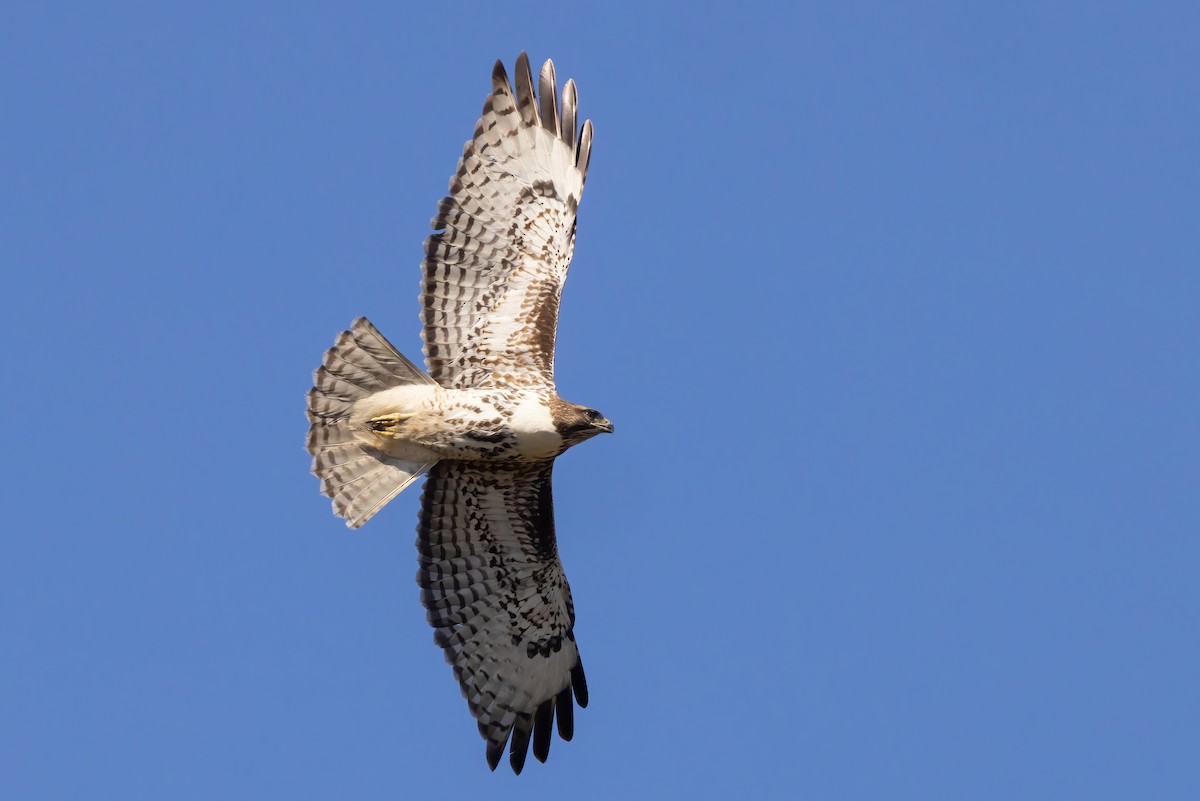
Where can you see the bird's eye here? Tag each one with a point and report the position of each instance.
(594, 415)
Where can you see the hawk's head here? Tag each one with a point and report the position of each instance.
(576, 423)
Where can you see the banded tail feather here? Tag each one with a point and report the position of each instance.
(359, 479)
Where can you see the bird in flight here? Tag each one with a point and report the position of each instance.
(485, 424)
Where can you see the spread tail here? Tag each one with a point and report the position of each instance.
(359, 479)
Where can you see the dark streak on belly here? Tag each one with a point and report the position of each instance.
(483, 436)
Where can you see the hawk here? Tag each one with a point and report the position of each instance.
(486, 423)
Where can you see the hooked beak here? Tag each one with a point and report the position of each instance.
(605, 426)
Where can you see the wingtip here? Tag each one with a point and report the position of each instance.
(494, 752)
(569, 107)
(548, 99)
(583, 154)
(543, 729)
(518, 750)
(526, 98)
(499, 76)
(566, 715)
(579, 685)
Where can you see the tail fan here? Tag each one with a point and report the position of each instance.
(359, 479)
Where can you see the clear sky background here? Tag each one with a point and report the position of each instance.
(894, 307)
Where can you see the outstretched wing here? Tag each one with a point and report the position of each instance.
(495, 593)
(493, 273)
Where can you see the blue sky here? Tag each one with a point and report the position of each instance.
(894, 307)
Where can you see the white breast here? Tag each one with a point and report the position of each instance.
(533, 428)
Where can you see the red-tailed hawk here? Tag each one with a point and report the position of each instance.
(486, 423)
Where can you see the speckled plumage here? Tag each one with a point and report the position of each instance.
(486, 423)
(493, 274)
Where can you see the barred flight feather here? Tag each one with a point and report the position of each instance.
(493, 273)
(498, 600)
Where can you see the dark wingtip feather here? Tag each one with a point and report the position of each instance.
(499, 75)
(568, 107)
(584, 154)
(543, 729)
(494, 752)
(526, 99)
(579, 685)
(566, 715)
(520, 746)
(548, 99)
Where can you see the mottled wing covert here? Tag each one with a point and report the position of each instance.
(494, 271)
(495, 593)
